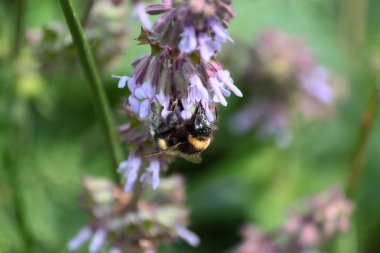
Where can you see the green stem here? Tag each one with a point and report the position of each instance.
(88, 65)
(366, 126)
(19, 8)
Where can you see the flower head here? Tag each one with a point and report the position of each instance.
(318, 220)
(125, 229)
(165, 76)
(193, 25)
(284, 80)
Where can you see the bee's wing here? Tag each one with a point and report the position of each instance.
(194, 158)
(161, 152)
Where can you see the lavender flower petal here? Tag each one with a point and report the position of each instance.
(188, 236)
(188, 41)
(150, 90)
(221, 34)
(139, 14)
(145, 109)
(197, 91)
(122, 80)
(216, 86)
(134, 103)
(317, 85)
(140, 93)
(130, 168)
(132, 85)
(186, 113)
(83, 235)
(152, 174)
(207, 47)
(97, 240)
(115, 250)
(225, 77)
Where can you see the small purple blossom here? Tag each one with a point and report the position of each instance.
(197, 91)
(139, 14)
(152, 174)
(224, 76)
(186, 113)
(221, 34)
(218, 90)
(207, 46)
(188, 41)
(188, 236)
(316, 83)
(129, 169)
(97, 240)
(122, 80)
(83, 236)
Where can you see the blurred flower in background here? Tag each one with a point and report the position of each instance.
(315, 224)
(284, 80)
(158, 219)
(105, 30)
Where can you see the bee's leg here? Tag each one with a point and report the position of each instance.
(174, 105)
(155, 122)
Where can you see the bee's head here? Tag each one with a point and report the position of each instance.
(202, 126)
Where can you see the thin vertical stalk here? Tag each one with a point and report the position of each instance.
(88, 65)
(19, 9)
(366, 126)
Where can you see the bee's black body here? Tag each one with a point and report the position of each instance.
(187, 138)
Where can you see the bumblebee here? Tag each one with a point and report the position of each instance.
(186, 138)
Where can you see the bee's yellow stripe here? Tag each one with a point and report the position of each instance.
(198, 143)
(162, 144)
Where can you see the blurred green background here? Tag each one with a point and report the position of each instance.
(50, 138)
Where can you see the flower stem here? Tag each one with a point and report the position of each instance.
(19, 8)
(366, 126)
(136, 193)
(88, 65)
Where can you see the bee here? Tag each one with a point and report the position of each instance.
(186, 138)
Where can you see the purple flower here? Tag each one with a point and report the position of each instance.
(164, 101)
(135, 104)
(146, 92)
(130, 169)
(316, 83)
(186, 113)
(122, 80)
(221, 34)
(188, 41)
(152, 174)
(97, 240)
(217, 87)
(116, 250)
(225, 77)
(188, 236)
(83, 235)
(197, 91)
(207, 46)
(139, 14)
